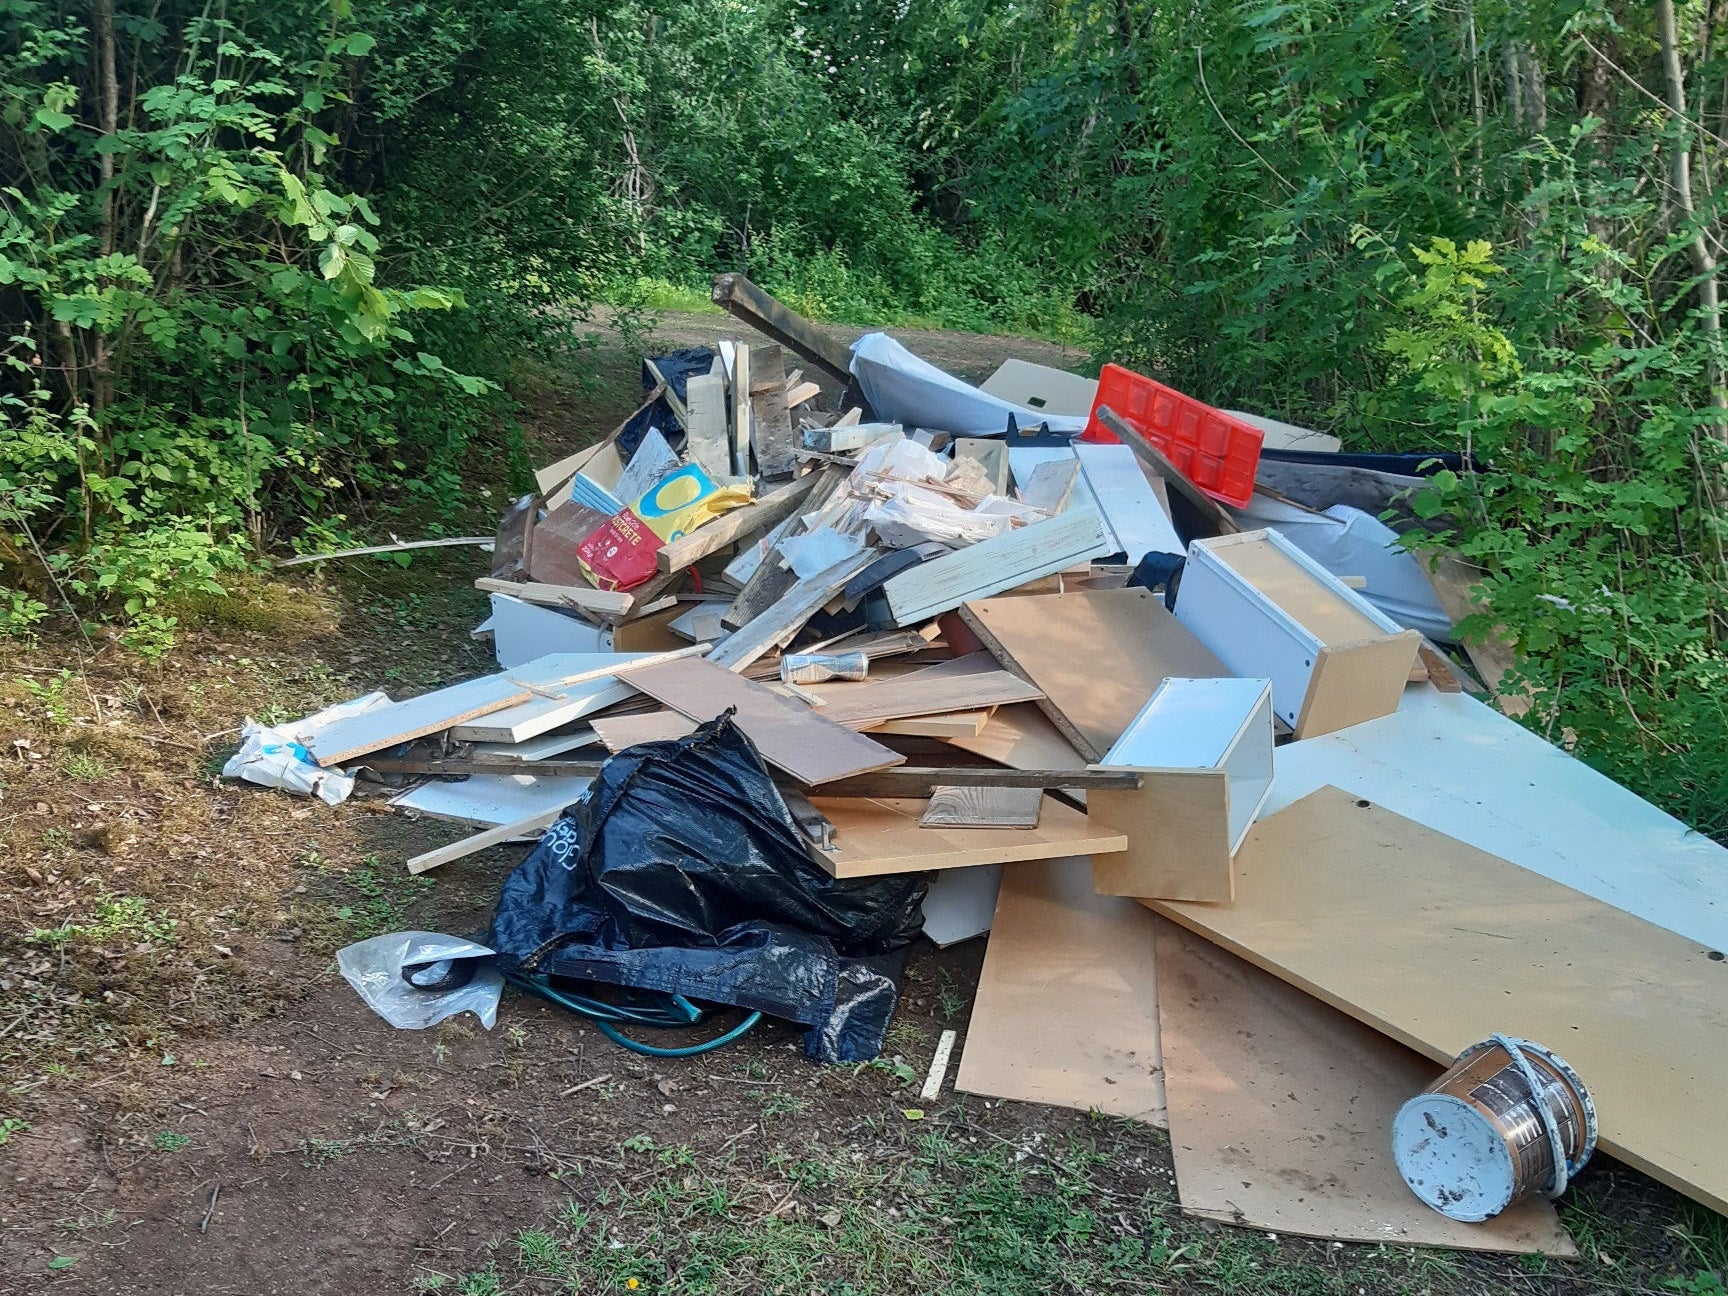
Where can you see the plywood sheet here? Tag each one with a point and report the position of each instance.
(1098, 655)
(1178, 830)
(555, 705)
(790, 735)
(1439, 945)
(619, 732)
(876, 836)
(492, 798)
(1022, 737)
(1279, 1110)
(926, 692)
(415, 717)
(1462, 768)
(1067, 1005)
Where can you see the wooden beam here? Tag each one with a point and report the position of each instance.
(705, 440)
(910, 781)
(727, 529)
(994, 565)
(481, 841)
(777, 624)
(770, 421)
(741, 412)
(768, 314)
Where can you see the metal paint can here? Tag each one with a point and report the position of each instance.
(1510, 1118)
(814, 668)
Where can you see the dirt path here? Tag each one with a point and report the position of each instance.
(195, 1103)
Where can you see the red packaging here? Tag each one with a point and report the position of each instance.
(620, 553)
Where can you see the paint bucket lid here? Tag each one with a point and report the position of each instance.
(1453, 1158)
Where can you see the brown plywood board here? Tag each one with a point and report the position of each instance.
(926, 692)
(1178, 830)
(790, 736)
(619, 732)
(873, 836)
(1022, 737)
(1067, 1006)
(1280, 1108)
(1098, 655)
(1439, 945)
(1353, 683)
(415, 717)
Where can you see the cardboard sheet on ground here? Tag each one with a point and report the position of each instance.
(1280, 1108)
(1439, 945)
(1067, 1006)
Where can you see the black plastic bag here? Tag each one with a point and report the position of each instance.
(681, 870)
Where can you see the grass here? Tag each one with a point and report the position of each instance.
(116, 918)
(170, 1141)
(930, 1210)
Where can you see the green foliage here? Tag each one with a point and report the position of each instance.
(123, 918)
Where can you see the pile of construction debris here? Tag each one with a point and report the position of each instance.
(1152, 694)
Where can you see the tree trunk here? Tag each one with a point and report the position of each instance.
(1703, 263)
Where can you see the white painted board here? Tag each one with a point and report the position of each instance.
(1462, 768)
(1111, 481)
(523, 631)
(961, 903)
(541, 715)
(1188, 723)
(1041, 388)
(535, 749)
(492, 799)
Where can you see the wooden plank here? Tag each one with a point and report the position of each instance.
(481, 841)
(932, 691)
(729, 528)
(1067, 1006)
(1097, 655)
(799, 392)
(400, 722)
(772, 580)
(556, 701)
(790, 736)
(877, 836)
(767, 314)
(770, 422)
(1051, 485)
(1022, 737)
(996, 564)
(619, 732)
(956, 724)
(1155, 459)
(776, 625)
(990, 454)
(609, 602)
(1439, 945)
(1236, 1043)
(705, 430)
(984, 807)
(741, 412)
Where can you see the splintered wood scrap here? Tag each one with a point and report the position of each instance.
(775, 626)
(483, 841)
(983, 807)
(797, 395)
(938, 1068)
(611, 602)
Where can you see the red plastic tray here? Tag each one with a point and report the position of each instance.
(1212, 449)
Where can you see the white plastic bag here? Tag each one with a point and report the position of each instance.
(446, 979)
(277, 756)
